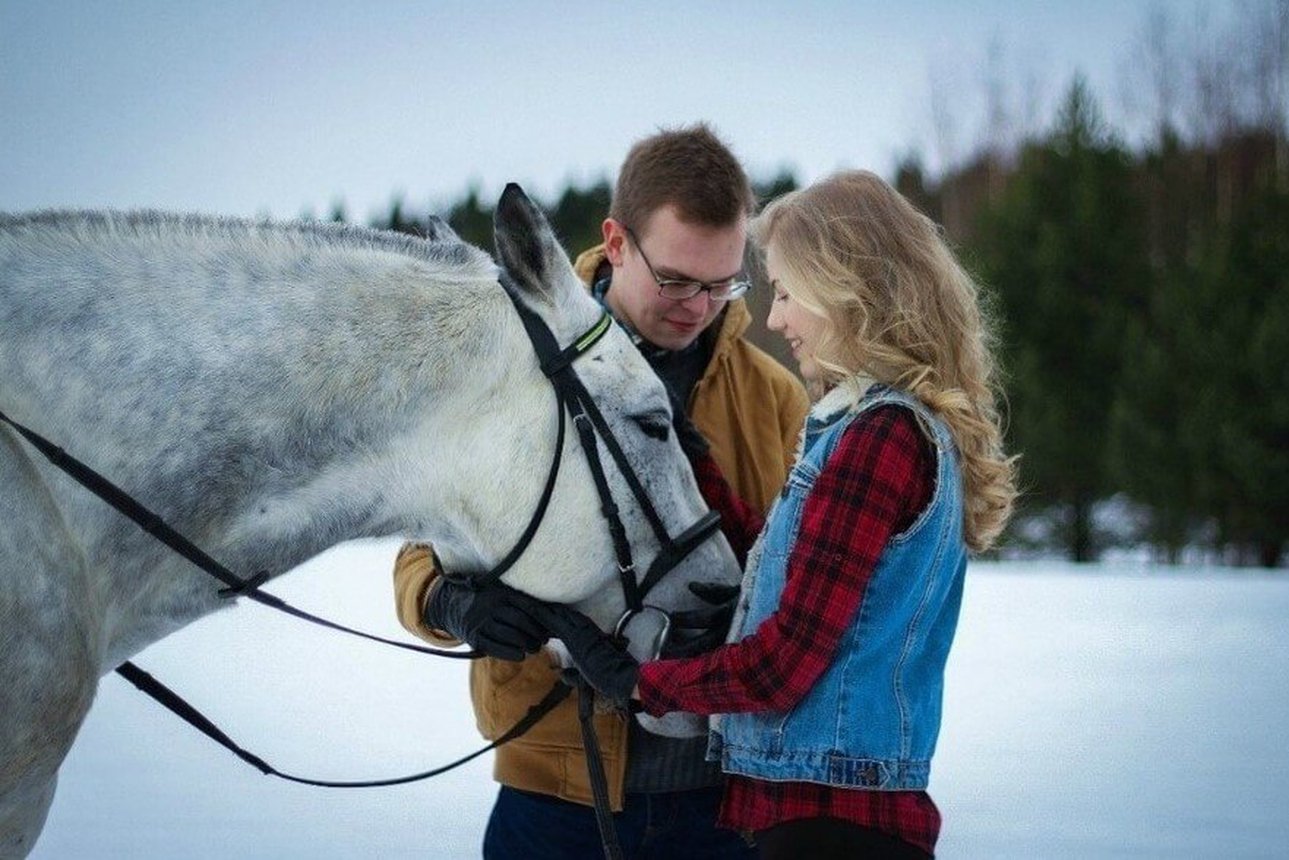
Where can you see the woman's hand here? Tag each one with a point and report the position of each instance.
(697, 631)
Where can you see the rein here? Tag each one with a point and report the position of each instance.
(164, 532)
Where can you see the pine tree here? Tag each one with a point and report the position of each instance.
(471, 220)
(1061, 250)
(578, 214)
(1240, 406)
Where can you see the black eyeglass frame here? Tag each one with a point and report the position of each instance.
(732, 289)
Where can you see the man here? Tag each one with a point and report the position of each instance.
(670, 271)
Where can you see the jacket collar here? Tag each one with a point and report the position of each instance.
(842, 398)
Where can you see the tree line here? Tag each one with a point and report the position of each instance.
(1144, 307)
(1143, 295)
(1141, 292)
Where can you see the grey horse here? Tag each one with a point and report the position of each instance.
(272, 390)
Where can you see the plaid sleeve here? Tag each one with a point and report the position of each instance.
(875, 483)
(740, 522)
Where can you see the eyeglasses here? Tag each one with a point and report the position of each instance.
(679, 289)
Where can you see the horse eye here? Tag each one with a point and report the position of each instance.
(654, 425)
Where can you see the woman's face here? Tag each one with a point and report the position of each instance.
(800, 327)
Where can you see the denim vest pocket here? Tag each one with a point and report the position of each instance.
(782, 527)
(802, 478)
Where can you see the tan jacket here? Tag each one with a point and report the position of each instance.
(750, 408)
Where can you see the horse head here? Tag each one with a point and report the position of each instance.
(271, 390)
(571, 557)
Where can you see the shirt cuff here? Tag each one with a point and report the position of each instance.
(652, 685)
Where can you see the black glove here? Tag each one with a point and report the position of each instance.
(493, 619)
(603, 662)
(697, 631)
(691, 441)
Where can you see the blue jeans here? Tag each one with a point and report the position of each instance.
(678, 825)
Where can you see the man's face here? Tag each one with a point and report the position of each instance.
(676, 250)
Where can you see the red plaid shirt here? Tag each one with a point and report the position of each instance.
(873, 486)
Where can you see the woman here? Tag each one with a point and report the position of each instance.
(829, 694)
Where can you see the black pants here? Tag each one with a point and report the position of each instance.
(673, 825)
(827, 838)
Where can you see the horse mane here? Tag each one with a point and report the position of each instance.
(204, 325)
(442, 248)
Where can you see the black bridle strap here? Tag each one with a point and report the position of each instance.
(162, 531)
(671, 550)
(548, 354)
(544, 502)
(178, 706)
(595, 770)
(675, 551)
(624, 466)
(553, 363)
(125, 504)
(571, 393)
(608, 508)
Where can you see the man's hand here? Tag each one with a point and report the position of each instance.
(604, 664)
(697, 631)
(493, 619)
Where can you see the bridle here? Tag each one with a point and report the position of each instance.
(571, 398)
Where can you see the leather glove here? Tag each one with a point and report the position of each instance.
(493, 619)
(603, 662)
(692, 442)
(697, 631)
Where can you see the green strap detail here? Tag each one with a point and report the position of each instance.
(596, 332)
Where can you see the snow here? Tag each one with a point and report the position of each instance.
(1091, 711)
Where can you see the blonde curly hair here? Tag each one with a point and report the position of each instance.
(897, 308)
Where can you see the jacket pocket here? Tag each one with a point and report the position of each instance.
(503, 690)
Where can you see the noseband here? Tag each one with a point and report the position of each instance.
(572, 398)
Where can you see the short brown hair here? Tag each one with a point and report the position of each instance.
(689, 168)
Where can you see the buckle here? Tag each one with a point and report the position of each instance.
(652, 628)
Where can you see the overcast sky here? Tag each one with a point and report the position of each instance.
(264, 108)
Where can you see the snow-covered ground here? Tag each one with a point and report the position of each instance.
(1092, 711)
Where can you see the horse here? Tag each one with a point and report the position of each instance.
(271, 390)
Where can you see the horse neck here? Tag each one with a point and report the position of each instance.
(376, 423)
(261, 398)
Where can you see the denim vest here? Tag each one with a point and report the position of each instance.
(872, 718)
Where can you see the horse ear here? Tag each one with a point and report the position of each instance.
(438, 230)
(526, 244)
